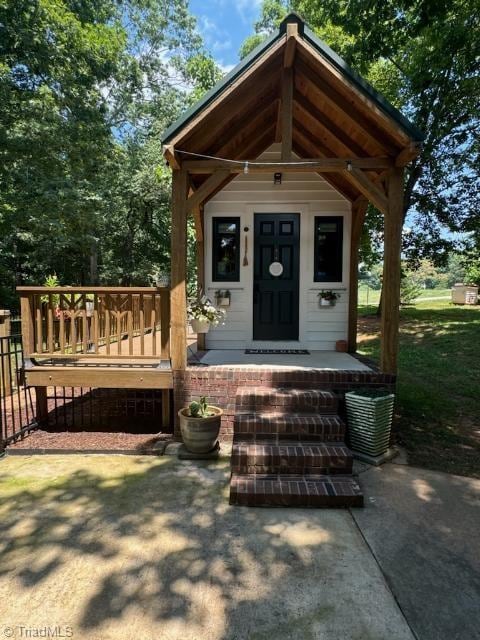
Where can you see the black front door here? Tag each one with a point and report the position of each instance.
(275, 279)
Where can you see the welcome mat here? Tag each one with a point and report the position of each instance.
(277, 352)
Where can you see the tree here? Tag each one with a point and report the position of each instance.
(85, 90)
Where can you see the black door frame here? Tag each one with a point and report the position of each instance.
(289, 332)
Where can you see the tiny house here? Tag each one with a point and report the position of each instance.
(277, 164)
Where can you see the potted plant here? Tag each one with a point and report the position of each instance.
(369, 415)
(203, 314)
(328, 298)
(160, 277)
(222, 298)
(200, 426)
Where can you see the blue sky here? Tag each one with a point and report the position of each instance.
(224, 25)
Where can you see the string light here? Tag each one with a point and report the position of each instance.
(246, 164)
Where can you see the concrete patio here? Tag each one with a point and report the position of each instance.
(116, 547)
(132, 547)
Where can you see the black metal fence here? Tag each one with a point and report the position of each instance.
(112, 410)
(17, 415)
(69, 409)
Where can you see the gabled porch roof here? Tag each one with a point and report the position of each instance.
(293, 88)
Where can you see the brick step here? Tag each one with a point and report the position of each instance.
(276, 490)
(291, 458)
(280, 425)
(297, 400)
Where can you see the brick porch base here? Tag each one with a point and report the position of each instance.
(220, 384)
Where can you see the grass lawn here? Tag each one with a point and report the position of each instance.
(369, 296)
(438, 411)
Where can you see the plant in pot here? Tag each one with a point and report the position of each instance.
(160, 277)
(369, 416)
(200, 426)
(328, 298)
(222, 298)
(203, 315)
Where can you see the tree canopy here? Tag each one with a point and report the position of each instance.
(86, 87)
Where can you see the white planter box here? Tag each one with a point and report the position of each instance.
(369, 422)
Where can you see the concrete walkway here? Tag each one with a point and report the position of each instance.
(424, 530)
(121, 548)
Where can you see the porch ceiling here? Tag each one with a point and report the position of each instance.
(334, 113)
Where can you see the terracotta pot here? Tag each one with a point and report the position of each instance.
(200, 326)
(341, 346)
(200, 435)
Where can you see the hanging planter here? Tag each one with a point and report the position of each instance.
(369, 415)
(328, 298)
(222, 298)
(200, 326)
(203, 315)
(161, 278)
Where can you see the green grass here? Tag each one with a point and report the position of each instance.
(438, 417)
(371, 296)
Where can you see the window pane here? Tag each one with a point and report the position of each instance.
(226, 249)
(328, 249)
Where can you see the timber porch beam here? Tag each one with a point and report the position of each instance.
(326, 165)
(287, 113)
(367, 188)
(291, 46)
(205, 190)
(171, 156)
(408, 154)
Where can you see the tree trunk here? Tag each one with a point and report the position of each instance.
(94, 263)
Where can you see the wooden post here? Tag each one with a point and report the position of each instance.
(287, 114)
(28, 330)
(5, 362)
(393, 223)
(165, 325)
(178, 294)
(28, 345)
(200, 256)
(359, 210)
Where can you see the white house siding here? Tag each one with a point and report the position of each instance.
(304, 193)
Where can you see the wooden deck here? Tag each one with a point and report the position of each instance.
(105, 337)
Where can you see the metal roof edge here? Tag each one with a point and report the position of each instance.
(232, 75)
(324, 50)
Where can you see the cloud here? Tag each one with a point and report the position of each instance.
(206, 25)
(221, 45)
(248, 9)
(226, 68)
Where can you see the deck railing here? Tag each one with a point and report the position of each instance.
(96, 322)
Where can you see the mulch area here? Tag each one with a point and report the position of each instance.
(141, 443)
